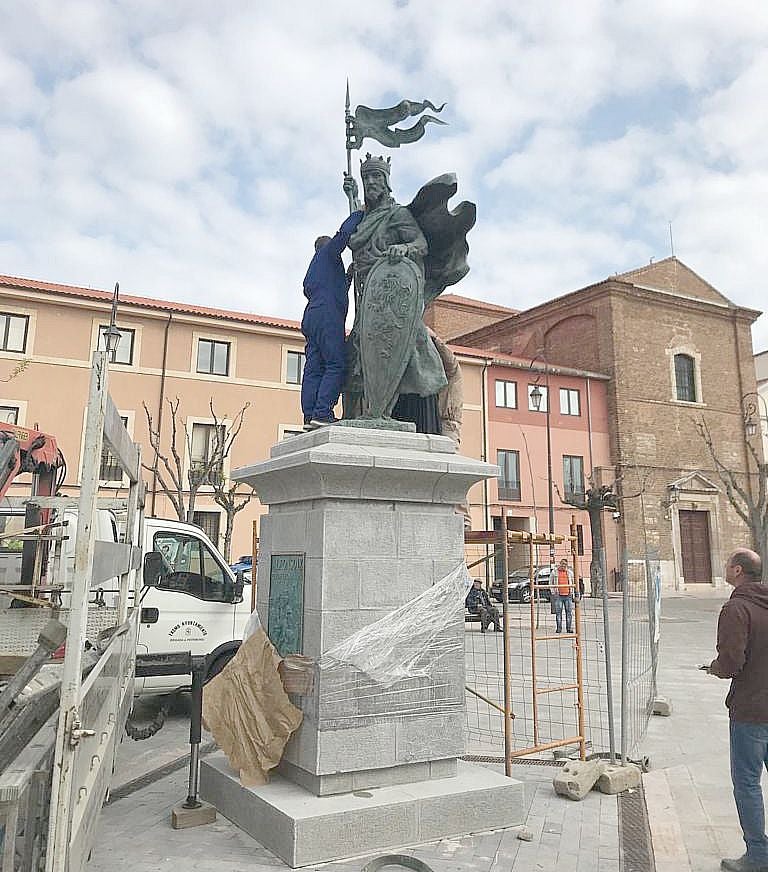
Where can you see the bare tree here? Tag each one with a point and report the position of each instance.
(206, 470)
(228, 494)
(594, 501)
(746, 491)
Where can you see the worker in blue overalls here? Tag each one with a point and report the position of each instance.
(326, 287)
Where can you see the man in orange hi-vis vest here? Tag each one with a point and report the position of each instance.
(562, 592)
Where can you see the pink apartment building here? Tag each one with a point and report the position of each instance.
(517, 442)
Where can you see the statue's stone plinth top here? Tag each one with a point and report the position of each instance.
(361, 464)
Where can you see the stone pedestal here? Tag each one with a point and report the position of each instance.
(374, 518)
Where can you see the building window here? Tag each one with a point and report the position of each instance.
(124, 351)
(573, 476)
(685, 378)
(506, 394)
(209, 523)
(9, 414)
(205, 445)
(13, 332)
(544, 398)
(294, 367)
(110, 469)
(212, 357)
(569, 402)
(509, 476)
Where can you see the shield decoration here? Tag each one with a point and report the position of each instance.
(391, 305)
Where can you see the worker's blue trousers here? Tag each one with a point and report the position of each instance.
(324, 365)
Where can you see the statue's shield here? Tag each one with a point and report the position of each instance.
(391, 306)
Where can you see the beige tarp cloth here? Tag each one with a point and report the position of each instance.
(248, 712)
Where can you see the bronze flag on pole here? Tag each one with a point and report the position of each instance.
(378, 123)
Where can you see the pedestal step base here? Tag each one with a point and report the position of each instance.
(303, 829)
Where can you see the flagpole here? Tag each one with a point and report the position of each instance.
(347, 120)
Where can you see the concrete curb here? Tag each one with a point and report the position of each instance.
(666, 832)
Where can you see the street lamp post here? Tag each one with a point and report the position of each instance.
(112, 335)
(536, 397)
(753, 420)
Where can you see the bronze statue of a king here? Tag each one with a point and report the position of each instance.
(403, 257)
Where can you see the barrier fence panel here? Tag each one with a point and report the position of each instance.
(620, 670)
(641, 602)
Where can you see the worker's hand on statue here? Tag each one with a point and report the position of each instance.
(397, 252)
(350, 186)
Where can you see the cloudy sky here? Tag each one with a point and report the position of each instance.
(193, 150)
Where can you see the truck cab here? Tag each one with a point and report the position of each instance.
(191, 600)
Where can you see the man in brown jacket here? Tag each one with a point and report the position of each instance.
(742, 656)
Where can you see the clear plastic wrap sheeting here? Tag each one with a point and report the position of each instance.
(410, 662)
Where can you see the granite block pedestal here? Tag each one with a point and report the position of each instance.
(360, 523)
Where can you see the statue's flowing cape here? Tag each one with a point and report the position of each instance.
(446, 233)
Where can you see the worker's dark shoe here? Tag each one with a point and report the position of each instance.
(323, 422)
(743, 864)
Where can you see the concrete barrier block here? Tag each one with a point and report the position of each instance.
(616, 779)
(577, 778)
(662, 707)
(181, 817)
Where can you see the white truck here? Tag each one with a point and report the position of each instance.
(195, 602)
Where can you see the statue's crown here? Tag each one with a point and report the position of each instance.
(375, 163)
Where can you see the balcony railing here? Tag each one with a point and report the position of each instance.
(509, 491)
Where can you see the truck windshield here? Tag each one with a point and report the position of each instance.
(190, 567)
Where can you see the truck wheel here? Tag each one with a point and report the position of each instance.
(218, 664)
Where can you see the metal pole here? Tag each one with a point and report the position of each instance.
(577, 629)
(624, 660)
(608, 672)
(254, 561)
(549, 475)
(195, 732)
(534, 626)
(507, 652)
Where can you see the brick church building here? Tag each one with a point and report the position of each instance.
(676, 351)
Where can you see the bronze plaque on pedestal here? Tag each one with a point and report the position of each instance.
(286, 603)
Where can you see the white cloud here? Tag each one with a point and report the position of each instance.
(194, 150)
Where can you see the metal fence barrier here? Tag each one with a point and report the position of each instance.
(618, 640)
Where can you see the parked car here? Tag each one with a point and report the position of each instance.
(244, 565)
(519, 588)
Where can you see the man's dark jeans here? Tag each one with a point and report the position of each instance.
(749, 754)
(489, 615)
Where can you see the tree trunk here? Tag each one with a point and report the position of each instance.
(596, 579)
(228, 530)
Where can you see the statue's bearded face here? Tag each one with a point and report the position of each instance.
(375, 185)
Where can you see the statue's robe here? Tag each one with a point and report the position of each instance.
(437, 245)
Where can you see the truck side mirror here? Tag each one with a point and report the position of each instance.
(239, 586)
(154, 568)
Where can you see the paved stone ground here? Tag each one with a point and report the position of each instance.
(135, 834)
(688, 791)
